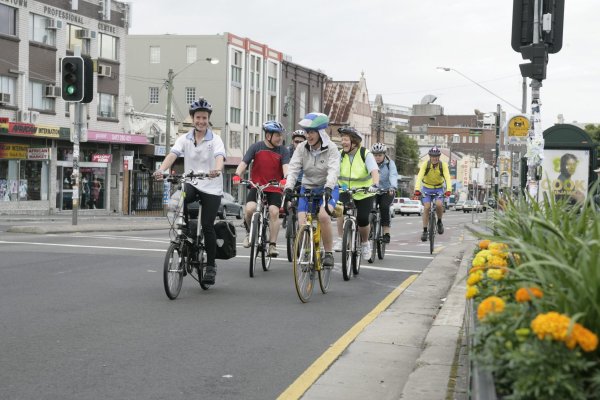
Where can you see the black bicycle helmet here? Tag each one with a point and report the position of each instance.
(200, 105)
(435, 151)
(350, 131)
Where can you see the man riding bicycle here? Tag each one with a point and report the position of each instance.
(203, 151)
(388, 180)
(358, 169)
(433, 174)
(319, 160)
(269, 162)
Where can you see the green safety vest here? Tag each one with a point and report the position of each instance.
(355, 174)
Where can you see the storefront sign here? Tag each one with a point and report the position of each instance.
(127, 163)
(105, 158)
(160, 150)
(97, 136)
(13, 151)
(17, 3)
(20, 128)
(38, 153)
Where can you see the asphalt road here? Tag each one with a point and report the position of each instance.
(85, 316)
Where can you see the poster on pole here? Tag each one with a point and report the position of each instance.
(565, 174)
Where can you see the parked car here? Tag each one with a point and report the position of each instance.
(411, 207)
(395, 207)
(472, 205)
(229, 206)
(459, 205)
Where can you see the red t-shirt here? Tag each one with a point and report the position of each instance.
(267, 163)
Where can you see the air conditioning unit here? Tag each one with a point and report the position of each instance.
(24, 116)
(5, 98)
(85, 34)
(53, 24)
(104, 70)
(35, 115)
(52, 91)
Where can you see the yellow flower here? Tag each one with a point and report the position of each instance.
(497, 246)
(495, 274)
(497, 261)
(485, 254)
(526, 294)
(475, 277)
(551, 324)
(483, 244)
(499, 253)
(492, 304)
(478, 262)
(472, 291)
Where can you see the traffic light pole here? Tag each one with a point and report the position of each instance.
(75, 177)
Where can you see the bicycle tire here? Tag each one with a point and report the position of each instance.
(201, 267)
(347, 250)
(290, 237)
(380, 243)
(265, 244)
(254, 242)
(173, 269)
(373, 238)
(304, 273)
(324, 275)
(432, 228)
(357, 255)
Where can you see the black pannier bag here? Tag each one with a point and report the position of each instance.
(225, 240)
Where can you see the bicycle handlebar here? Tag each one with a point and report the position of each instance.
(175, 178)
(308, 195)
(251, 184)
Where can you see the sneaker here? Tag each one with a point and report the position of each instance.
(273, 250)
(424, 236)
(209, 275)
(386, 238)
(440, 227)
(246, 243)
(328, 259)
(366, 249)
(337, 245)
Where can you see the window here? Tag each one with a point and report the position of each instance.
(476, 139)
(38, 31)
(464, 139)
(272, 85)
(236, 75)
(316, 103)
(108, 46)
(153, 95)
(234, 139)
(22, 180)
(154, 55)
(7, 85)
(8, 19)
(73, 40)
(236, 105)
(302, 101)
(107, 105)
(272, 114)
(190, 95)
(39, 101)
(272, 82)
(191, 54)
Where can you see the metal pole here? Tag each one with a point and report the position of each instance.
(75, 176)
(378, 123)
(524, 103)
(498, 113)
(169, 100)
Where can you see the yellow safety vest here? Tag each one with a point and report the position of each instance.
(354, 174)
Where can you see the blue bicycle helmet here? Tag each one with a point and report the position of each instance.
(200, 105)
(273, 127)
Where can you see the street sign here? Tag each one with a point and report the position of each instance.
(518, 126)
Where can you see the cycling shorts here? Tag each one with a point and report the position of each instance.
(429, 191)
(303, 201)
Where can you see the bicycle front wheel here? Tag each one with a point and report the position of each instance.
(254, 242)
(304, 272)
(347, 250)
(373, 235)
(432, 228)
(266, 244)
(357, 255)
(173, 270)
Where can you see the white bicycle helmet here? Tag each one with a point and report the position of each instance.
(379, 148)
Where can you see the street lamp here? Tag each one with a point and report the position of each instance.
(480, 85)
(169, 84)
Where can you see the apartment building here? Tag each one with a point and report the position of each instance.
(36, 154)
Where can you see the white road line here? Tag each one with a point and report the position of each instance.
(81, 246)
(389, 269)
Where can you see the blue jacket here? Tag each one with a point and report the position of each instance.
(388, 174)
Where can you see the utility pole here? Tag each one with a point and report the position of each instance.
(169, 100)
(496, 166)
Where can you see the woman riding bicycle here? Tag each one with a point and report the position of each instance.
(319, 160)
(433, 174)
(388, 181)
(203, 151)
(358, 169)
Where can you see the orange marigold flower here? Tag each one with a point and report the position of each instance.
(472, 291)
(483, 244)
(586, 339)
(492, 304)
(551, 324)
(526, 294)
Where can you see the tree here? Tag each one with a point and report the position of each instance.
(407, 154)
(594, 132)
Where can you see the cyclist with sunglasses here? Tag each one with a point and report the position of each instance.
(319, 159)
(298, 137)
(269, 161)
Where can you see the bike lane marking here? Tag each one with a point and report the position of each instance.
(82, 246)
(321, 364)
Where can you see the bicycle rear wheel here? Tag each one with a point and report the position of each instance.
(380, 243)
(347, 250)
(373, 235)
(173, 270)
(254, 242)
(304, 273)
(432, 228)
(266, 244)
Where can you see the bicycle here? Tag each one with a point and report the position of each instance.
(351, 244)
(291, 227)
(259, 227)
(376, 232)
(432, 226)
(186, 254)
(308, 250)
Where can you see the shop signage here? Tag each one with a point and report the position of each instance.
(20, 128)
(105, 158)
(67, 16)
(38, 153)
(160, 150)
(97, 136)
(18, 3)
(13, 151)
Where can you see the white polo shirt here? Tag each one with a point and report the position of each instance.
(201, 157)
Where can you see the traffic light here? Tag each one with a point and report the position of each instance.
(88, 74)
(73, 78)
(551, 16)
(538, 55)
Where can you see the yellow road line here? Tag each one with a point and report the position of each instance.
(312, 373)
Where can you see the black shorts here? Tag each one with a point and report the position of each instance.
(273, 198)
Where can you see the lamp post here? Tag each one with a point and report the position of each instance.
(169, 84)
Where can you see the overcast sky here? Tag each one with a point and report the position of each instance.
(399, 43)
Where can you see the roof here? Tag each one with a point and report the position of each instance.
(338, 98)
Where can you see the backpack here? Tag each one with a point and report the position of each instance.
(225, 232)
(429, 167)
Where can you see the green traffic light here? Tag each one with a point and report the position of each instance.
(70, 89)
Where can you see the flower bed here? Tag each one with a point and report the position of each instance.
(535, 286)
